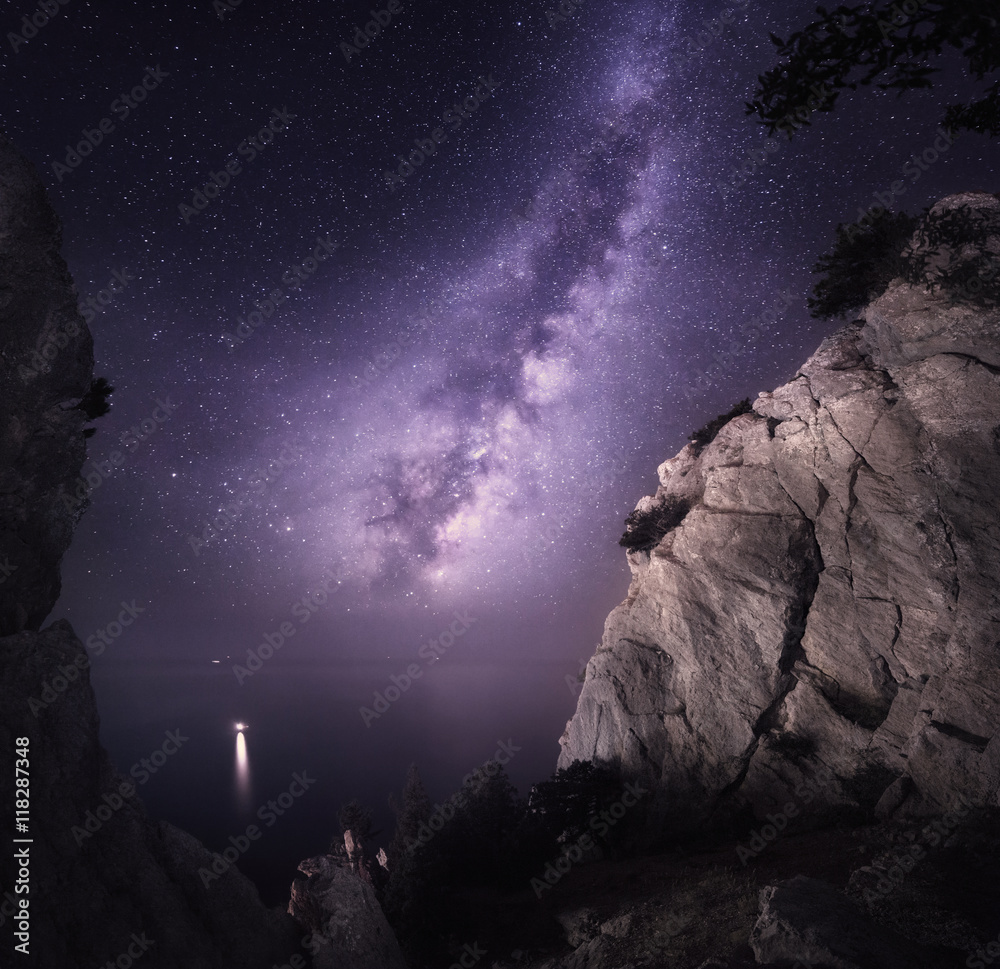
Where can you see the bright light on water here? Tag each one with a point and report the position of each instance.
(242, 770)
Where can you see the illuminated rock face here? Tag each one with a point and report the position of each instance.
(828, 608)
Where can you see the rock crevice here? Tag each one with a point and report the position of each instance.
(834, 579)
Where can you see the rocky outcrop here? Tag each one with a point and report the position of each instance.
(102, 872)
(827, 610)
(108, 884)
(337, 906)
(808, 922)
(46, 364)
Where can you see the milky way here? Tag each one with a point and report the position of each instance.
(434, 373)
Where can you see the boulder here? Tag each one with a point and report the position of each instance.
(807, 922)
(338, 909)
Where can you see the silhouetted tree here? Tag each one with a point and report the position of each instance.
(704, 436)
(477, 844)
(565, 804)
(355, 818)
(644, 529)
(413, 810)
(94, 403)
(414, 897)
(443, 852)
(952, 255)
(864, 260)
(880, 43)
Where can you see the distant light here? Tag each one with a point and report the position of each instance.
(242, 726)
(216, 660)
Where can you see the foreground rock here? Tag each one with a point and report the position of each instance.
(105, 876)
(108, 885)
(807, 921)
(337, 906)
(821, 628)
(45, 369)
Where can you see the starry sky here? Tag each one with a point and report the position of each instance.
(399, 332)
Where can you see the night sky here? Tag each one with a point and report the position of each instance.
(399, 334)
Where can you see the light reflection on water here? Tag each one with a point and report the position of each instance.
(306, 718)
(242, 774)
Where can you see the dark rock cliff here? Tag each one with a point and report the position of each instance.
(102, 870)
(46, 364)
(106, 881)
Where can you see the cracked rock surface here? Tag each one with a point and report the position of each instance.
(828, 608)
